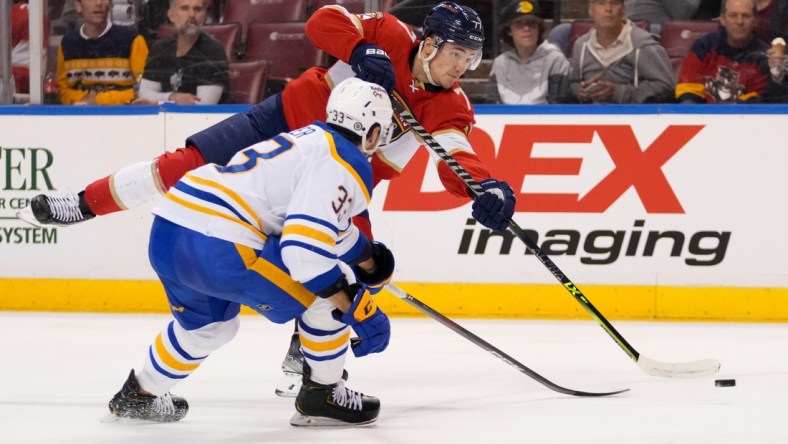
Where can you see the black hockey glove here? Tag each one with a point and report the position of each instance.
(495, 206)
(384, 268)
(367, 320)
(372, 64)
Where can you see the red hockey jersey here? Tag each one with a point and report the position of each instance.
(446, 113)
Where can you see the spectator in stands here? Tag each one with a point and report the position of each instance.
(20, 47)
(188, 68)
(729, 65)
(772, 19)
(533, 71)
(777, 89)
(98, 63)
(617, 62)
(655, 12)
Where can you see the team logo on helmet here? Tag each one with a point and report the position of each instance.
(450, 22)
(359, 106)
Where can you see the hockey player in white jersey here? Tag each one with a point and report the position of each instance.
(272, 230)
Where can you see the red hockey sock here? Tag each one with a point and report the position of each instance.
(172, 166)
(99, 197)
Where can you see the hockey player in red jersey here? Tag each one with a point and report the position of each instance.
(376, 47)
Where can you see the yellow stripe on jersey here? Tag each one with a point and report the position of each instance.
(213, 212)
(325, 346)
(311, 233)
(170, 360)
(233, 195)
(347, 166)
(275, 275)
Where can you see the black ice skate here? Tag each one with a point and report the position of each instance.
(62, 210)
(333, 405)
(129, 403)
(292, 369)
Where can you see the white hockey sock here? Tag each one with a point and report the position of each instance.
(177, 352)
(324, 342)
(136, 185)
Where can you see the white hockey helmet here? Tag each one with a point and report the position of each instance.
(357, 106)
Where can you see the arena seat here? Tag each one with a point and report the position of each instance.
(248, 79)
(286, 46)
(228, 34)
(269, 11)
(677, 37)
(354, 6)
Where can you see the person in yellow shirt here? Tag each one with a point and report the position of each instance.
(99, 63)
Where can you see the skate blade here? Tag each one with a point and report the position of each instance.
(301, 420)
(26, 215)
(112, 419)
(289, 385)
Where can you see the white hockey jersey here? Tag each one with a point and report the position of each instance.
(304, 185)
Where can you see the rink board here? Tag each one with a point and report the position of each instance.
(655, 212)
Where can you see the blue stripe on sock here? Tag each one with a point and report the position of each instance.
(161, 370)
(315, 332)
(323, 358)
(174, 342)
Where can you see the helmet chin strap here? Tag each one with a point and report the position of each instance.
(425, 63)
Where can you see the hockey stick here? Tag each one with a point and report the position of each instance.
(697, 368)
(453, 326)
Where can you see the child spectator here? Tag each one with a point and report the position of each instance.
(533, 71)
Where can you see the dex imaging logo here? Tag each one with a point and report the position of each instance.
(633, 167)
(529, 154)
(605, 246)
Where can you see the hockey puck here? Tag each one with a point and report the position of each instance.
(725, 382)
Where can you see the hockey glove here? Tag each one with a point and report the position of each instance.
(368, 321)
(372, 64)
(384, 268)
(495, 206)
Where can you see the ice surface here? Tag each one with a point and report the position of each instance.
(58, 371)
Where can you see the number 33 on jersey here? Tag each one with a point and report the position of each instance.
(305, 185)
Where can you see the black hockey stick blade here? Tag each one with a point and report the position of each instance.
(453, 326)
(655, 368)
